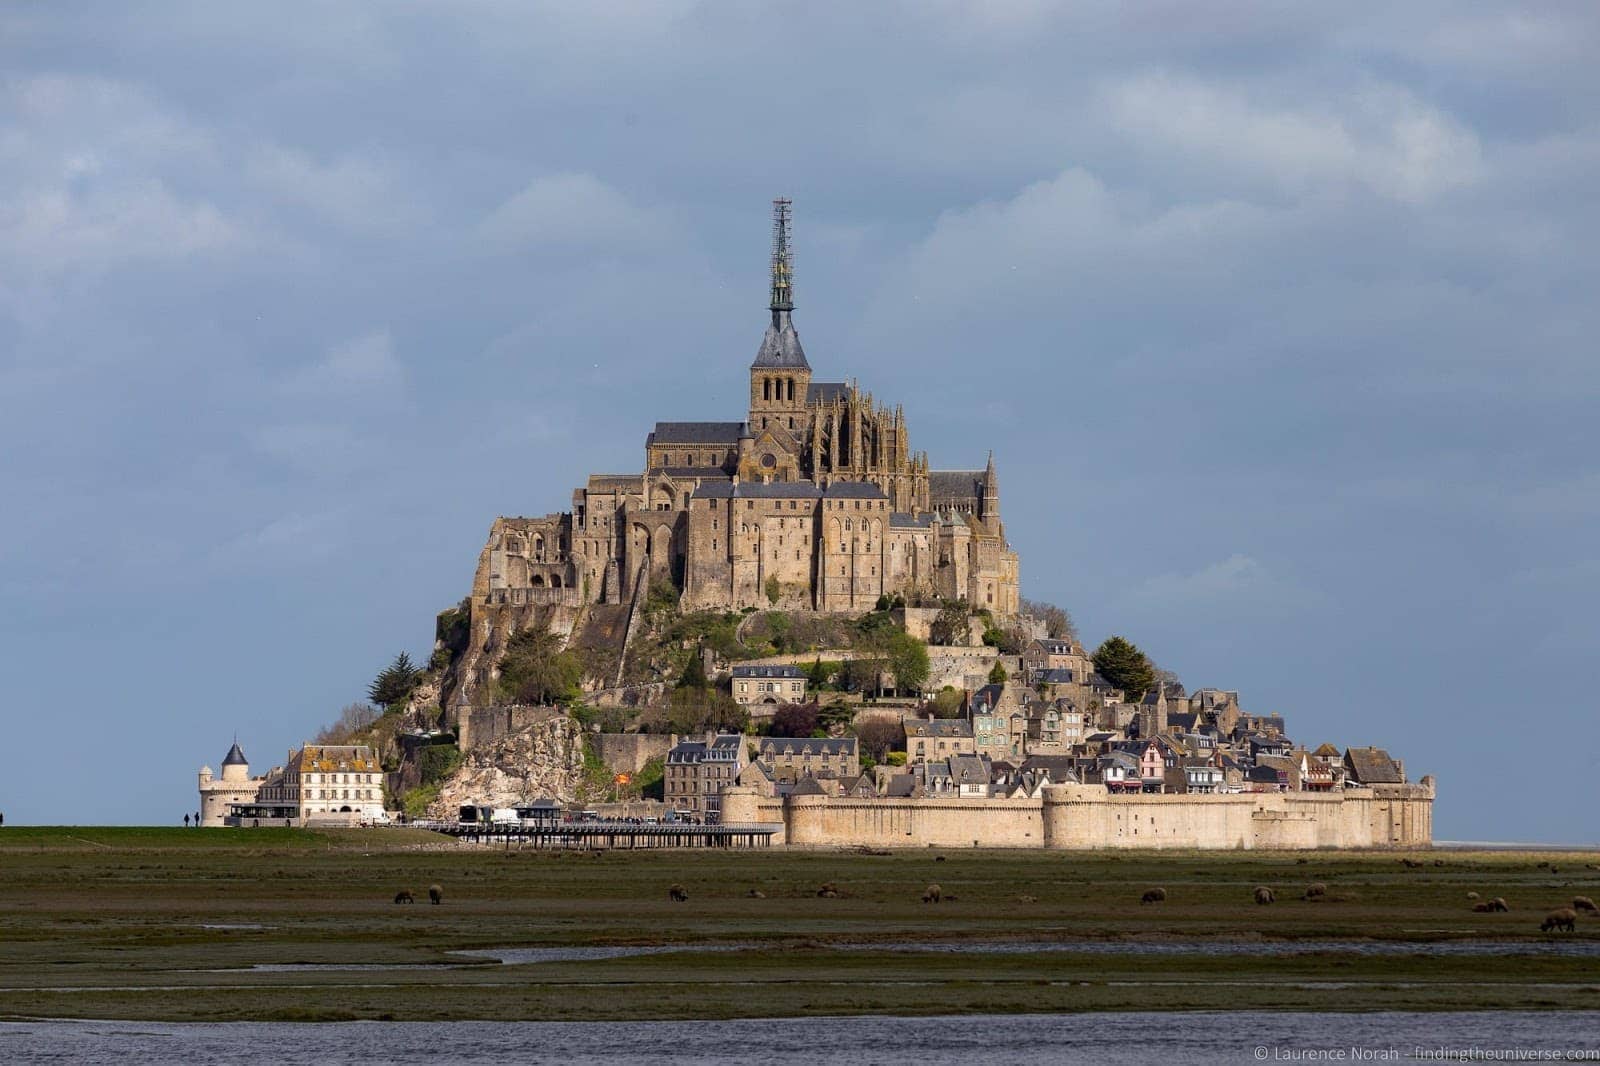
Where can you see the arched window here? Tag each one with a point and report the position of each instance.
(766, 388)
(791, 397)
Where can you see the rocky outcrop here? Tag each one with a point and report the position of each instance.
(544, 758)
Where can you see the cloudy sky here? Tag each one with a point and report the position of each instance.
(1280, 324)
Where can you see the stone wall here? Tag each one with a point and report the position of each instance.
(479, 727)
(1087, 817)
(628, 752)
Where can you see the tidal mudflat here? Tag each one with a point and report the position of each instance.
(292, 925)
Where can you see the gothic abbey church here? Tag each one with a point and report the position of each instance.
(815, 499)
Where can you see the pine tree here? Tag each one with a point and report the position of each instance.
(395, 683)
(1120, 662)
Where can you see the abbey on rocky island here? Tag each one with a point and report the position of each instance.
(814, 501)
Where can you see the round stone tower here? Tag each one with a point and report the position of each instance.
(234, 786)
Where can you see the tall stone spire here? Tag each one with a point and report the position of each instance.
(780, 348)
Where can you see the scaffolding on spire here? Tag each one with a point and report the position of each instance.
(782, 259)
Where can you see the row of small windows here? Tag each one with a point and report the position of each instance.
(794, 505)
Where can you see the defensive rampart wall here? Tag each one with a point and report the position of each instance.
(1087, 817)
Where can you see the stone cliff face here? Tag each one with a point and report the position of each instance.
(541, 759)
(470, 680)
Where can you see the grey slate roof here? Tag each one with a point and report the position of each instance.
(901, 786)
(713, 473)
(811, 745)
(1059, 675)
(808, 786)
(825, 391)
(696, 433)
(969, 769)
(235, 757)
(939, 727)
(725, 747)
(768, 671)
(1373, 766)
(955, 484)
(854, 490)
(756, 490)
(1052, 646)
(780, 347)
(987, 697)
(902, 520)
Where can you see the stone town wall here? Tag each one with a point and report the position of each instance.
(1087, 817)
(944, 822)
(746, 806)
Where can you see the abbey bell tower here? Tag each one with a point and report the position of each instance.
(780, 378)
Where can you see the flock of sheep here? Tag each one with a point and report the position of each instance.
(1562, 919)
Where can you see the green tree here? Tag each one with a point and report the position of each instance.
(817, 675)
(997, 673)
(394, 685)
(947, 704)
(952, 626)
(1120, 662)
(879, 736)
(696, 710)
(794, 720)
(694, 672)
(535, 670)
(908, 661)
(861, 675)
(774, 590)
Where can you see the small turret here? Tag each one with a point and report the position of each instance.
(235, 767)
(989, 509)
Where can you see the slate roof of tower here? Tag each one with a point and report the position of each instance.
(696, 433)
(825, 391)
(780, 348)
(235, 757)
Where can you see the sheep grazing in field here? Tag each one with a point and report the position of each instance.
(435, 895)
(1154, 895)
(1584, 903)
(1316, 890)
(828, 891)
(756, 893)
(403, 896)
(1411, 864)
(1491, 906)
(1565, 918)
(677, 894)
(1264, 895)
(933, 894)
(1473, 895)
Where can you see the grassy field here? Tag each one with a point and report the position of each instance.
(171, 923)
